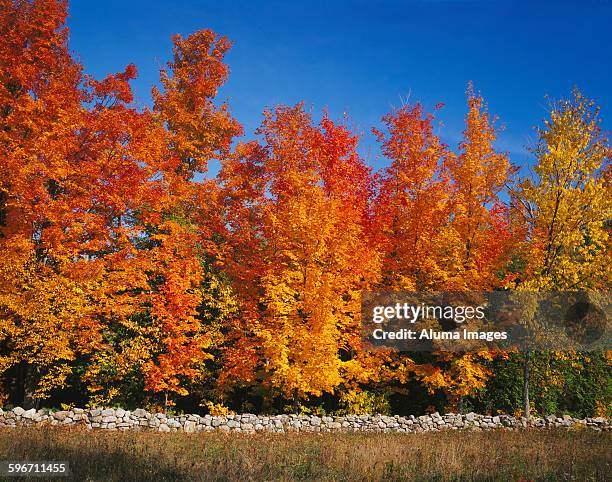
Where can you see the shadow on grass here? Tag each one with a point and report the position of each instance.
(94, 462)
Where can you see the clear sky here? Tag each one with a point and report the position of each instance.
(364, 57)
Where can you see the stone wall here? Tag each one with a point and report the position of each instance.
(118, 419)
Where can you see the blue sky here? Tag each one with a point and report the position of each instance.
(365, 57)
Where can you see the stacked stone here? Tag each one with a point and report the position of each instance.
(119, 419)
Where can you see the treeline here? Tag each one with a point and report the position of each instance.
(129, 276)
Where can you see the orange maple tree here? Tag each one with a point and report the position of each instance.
(412, 206)
(76, 165)
(481, 238)
(101, 219)
(297, 207)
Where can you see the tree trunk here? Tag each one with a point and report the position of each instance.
(296, 401)
(31, 377)
(526, 373)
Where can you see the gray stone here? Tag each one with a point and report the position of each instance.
(30, 414)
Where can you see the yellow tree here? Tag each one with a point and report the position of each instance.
(567, 206)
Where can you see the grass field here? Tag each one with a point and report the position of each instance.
(442, 456)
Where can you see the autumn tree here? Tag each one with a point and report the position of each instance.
(480, 223)
(482, 236)
(297, 208)
(566, 206)
(102, 223)
(412, 205)
(76, 160)
(180, 330)
(441, 222)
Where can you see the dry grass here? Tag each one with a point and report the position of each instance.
(444, 456)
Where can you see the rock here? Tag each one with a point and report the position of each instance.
(163, 428)
(60, 415)
(173, 423)
(18, 411)
(30, 414)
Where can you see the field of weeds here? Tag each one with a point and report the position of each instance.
(443, 456)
